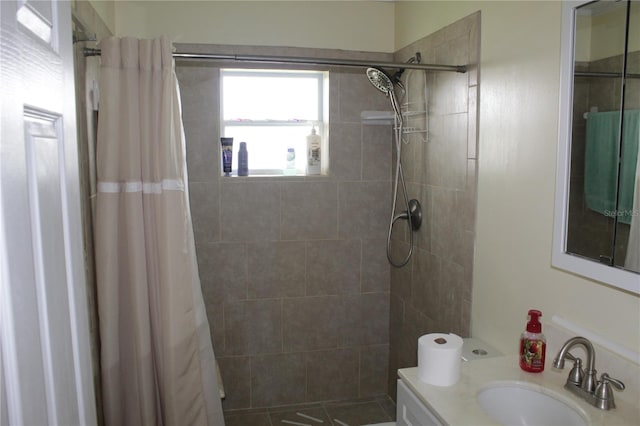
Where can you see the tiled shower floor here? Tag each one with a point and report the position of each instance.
(337, 413)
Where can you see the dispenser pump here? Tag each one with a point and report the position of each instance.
(534, 326)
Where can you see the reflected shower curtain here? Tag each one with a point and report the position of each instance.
(156, 359)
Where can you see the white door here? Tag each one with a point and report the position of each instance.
(45, 370)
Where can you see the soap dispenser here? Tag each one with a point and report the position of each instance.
(533, 344)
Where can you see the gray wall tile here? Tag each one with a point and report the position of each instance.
(203, 147)
(309, 210)
(363, 209)
(223, 270)
(374, 367)
(236, 377)
(376, 152)
(366, 319)
(345, 150)
(278, 379)
(253, 327)
(375, 267)
(203, 200)
(445, 226)
(276, 269)
(215, 315)
(311, 323)
(332, 374)
(447, 151)
(250, 211)
(357, 94)
(330, 267)
(425, 282)
(199, 84)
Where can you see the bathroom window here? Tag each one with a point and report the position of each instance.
(274, 111)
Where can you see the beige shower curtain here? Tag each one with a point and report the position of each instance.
(157, 359)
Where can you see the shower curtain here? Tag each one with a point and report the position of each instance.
(157, 360)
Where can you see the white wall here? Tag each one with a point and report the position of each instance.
(350, 25)
(106, 10)
(519, 83)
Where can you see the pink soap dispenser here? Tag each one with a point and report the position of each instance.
(533, 344)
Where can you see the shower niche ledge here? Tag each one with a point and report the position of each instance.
(377, 117)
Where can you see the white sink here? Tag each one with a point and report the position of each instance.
(519, 403)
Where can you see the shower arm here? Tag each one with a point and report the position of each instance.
(304, 60)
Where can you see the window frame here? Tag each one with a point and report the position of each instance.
(321, 124)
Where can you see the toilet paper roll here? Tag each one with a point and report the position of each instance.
(439, 358)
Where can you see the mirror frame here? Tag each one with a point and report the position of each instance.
(615, 277)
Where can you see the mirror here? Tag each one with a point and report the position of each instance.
(597, 217)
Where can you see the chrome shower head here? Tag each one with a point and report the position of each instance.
(380, 79)
(385, 82)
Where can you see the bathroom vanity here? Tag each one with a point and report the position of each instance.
(410, 410)
(420, 404)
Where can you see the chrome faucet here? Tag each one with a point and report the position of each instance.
(584, 383)
(588, 383)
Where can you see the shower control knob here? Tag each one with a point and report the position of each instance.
(415, 214)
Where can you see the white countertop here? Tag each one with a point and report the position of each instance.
(456, 405)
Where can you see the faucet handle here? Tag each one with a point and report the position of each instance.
(605, 378)
(558, 362)
(576, 375)
(570, 357)
(604, 398)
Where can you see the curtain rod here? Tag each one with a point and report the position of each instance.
(303, 60)
(604, 74)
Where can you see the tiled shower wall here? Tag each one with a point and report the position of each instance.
(293, 269)
(432, 293)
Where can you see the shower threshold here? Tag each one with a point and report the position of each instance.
(354, 412)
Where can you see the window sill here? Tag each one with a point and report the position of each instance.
(275, 176)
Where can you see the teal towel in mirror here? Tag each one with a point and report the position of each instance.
(601, 162)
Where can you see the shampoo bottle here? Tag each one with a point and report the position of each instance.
(227, 155)
(533, 344)
(313, 153)
(243, 160)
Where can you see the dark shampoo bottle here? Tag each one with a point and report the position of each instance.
(227, 155)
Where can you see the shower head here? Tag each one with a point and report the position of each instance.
(380, 79)
(384, 81)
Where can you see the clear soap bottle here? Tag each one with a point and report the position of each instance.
(290, 168)
(533, 344)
